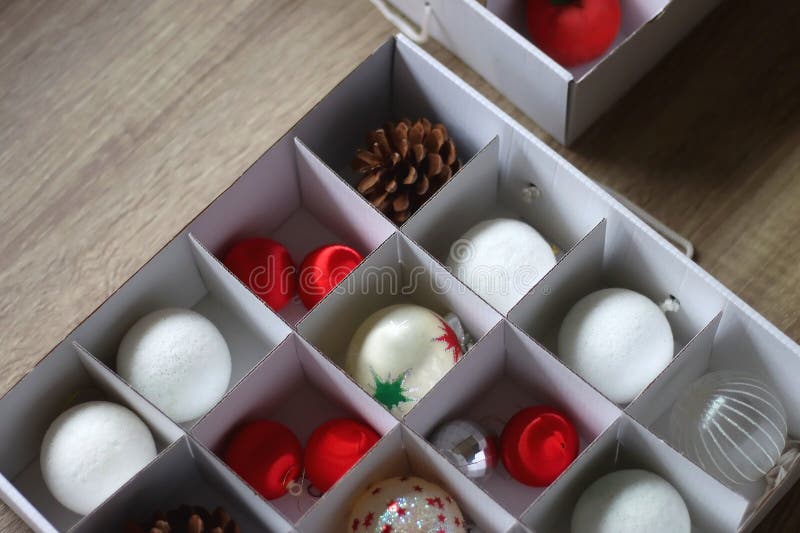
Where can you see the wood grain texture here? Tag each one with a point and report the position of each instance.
(120, 121)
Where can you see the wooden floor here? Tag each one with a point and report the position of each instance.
(121, 120)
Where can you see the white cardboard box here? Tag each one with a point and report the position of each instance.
(493, 41)
(288, 367)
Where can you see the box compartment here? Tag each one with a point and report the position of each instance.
(506, 372)
(291, 196)
(184, 274)
(68, 377)
(299, 388)
(185, 474)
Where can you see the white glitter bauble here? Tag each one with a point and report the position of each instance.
(90, 451)
(399, 353)
(406, 504)
(618, 340)
(631, 501)
(732, 425)
(177, 359)
(501, 260)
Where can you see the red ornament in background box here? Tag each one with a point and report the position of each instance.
(323, 269)
(573, 31)
(265, 266)
(334, 448)
(267, 455)
(537, 444)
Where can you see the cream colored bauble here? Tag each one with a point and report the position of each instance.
(501, 260)
(618, 340)
(399, 353)
(631, 501)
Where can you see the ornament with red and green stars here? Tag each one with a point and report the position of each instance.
(401, 352)
(404, 505)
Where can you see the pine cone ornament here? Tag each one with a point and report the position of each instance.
(404, 164)
(187, 519)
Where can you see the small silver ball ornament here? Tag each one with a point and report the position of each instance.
(467, 446)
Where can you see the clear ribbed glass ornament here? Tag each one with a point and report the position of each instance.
(731, 424)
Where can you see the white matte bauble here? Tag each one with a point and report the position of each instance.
(501, 260)
(90, 451)
(407, 504)
(631, 501)
(177, 359)
(618, 340)
(399, 353)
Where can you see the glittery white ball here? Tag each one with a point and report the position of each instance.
(399, 353)
(406, 504)
(631, 501)
(90, 451)
(501, 260)
(618, 340)
(177, 359)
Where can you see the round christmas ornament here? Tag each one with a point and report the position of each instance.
(537, 444)
(404, 164)
(732, 425)
(631, 501)
(618, 340)
(323, 269)
(334, 448)
(399, 353)
(90, 451)
(468, 446)
(265, 266)
(268, 456)
(501, 260)
(573, 31)
(177, 359)
(405, 504)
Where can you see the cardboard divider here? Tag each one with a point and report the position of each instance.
(624, 445)
(67, 377)
(294, 198)
(184, 474)
(610, 257)
(397, 272)
(184, 274)
(508, 372)
(403, 453)
(299, 388)
(387, 87)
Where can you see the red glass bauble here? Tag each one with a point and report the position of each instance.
(323, 269)
(537, 444)
(265, 266)
(267, 455)
(334, 448)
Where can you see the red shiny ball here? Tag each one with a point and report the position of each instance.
(334, 448)
(537, 444)
(265, 266)
(267, 455)
(573, 32)
(323, 269)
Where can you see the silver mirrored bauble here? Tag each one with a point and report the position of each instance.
(468, 446)
(731, 424)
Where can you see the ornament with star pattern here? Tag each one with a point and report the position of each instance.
(404, 505)
(399, 353)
